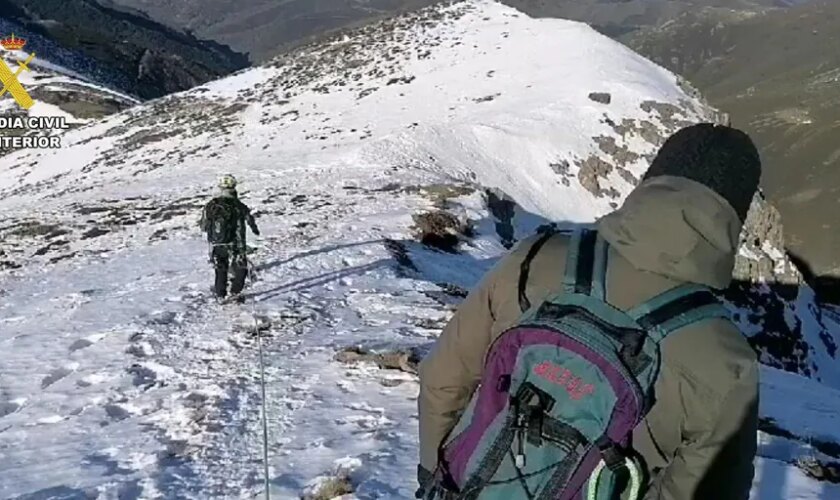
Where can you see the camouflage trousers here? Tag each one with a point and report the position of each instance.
(227, 259)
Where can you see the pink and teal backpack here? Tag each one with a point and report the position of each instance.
(563, 389)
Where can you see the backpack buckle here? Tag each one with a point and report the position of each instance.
(611, 455)
(531, 395)
(530, 405)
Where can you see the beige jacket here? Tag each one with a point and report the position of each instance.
(699, 439)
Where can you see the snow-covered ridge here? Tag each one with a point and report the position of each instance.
(131, 383)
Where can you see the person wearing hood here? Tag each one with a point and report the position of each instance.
(223, 219)
(680, 225)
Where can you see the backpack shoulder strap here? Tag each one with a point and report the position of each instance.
(586, 264)
(215, 203)
(525, 267)
(677, 308)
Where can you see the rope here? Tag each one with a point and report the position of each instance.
(635, 480)
(264, 416)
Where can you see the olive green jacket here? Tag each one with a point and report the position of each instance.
(699, 439)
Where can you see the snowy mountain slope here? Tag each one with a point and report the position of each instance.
(123, 380)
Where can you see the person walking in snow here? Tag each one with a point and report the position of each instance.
(679, 226)
(223, 219)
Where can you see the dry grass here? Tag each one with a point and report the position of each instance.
(440, 229)
(819, 470)
(331, 488)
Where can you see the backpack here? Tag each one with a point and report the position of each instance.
(563, 389)
(221, 220)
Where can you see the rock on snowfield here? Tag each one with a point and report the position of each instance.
(128, 380)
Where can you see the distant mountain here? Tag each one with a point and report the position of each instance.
(264, 28)
(137, 55)
(778, 75)
(619, 17)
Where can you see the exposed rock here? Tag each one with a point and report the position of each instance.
(628, 176)
(601, 97)
(670, 115)
(50, 246)
(453, 290)
(591, 170)
(93, 232)
(622, 156)
(772, 298)
(762, 258)
(820, 470)
(486, 98)
(645, 129)
(562, 168)
(442, 194)
(440, 229)
(403, 360)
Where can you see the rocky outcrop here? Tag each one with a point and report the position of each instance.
(619, 152)
(601, 97)
(762, 258)
(772, 303)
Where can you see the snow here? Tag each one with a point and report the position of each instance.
(121, 379)
(816, 416)
(775, 479)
